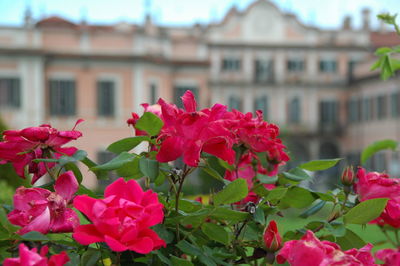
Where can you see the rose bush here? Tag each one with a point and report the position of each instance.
(132, 224)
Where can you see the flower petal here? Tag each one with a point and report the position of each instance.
(66, 185)
(87, 234)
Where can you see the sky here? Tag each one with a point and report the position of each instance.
(321, 13)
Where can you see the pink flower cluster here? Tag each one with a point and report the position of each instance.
(32, 258)
(122, 219)
(376, 185)
(311, 251)
(21, 147)
(38, 209)
(188, 132)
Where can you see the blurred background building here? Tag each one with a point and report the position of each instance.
(314, 83)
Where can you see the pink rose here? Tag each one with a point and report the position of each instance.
(311, 251)
(122, 219)
(32, 258)
(376, 185)
(390, 257)
(38, 209)
(189, 132)
(21, 147)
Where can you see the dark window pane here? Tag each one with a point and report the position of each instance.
(328, 66)
(62, 97)
(153, 93)
(105, 98)
(231, 64)
(235, 103)
(261, 103)
(263, 71)
(294, 111)
(10, 92)
(295, 65)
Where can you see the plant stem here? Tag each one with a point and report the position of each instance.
(388, 237)
(118, 260)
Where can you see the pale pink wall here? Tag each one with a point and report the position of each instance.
(114, 42)
(62, 39)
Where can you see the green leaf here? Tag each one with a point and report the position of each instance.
(365, 211)
(150, 123)
(188, 248)
(126, 144)
(226, 165)
(298, 197)
(34, 236)
(259, 216)
(319, 165)
(80, 155)
(233, 192)
(82, 190)
(222, 213)
(149, 167)
(130, 169)
(212, 173)
(162, 257)
(115, 163)
(277, 193)
(5, 223)
(313, 209)
(296, 174)
(383, 50)
(350, 240)
(377, 146)
(180, 262)
(216, 232)
(267, 179)
(377, 64)
(90, 257)
(162, 232)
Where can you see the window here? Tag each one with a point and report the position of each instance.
(105, 98)
(263, 71)
(62, 97)
(328, 112)
(231, 64)
(295, 65)
(235, 103)
(381, 107)
(353, 110)
(153, 93)
(10, 95)
(327, 66)
(394, 105)
(294, 111)
(180, 90)
(367, 112)
(261, 103)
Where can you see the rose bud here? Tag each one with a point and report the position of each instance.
(272, 238)
(348, 176)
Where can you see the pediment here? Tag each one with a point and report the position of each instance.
(261, 22)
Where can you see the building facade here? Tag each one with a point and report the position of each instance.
(309, 81)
